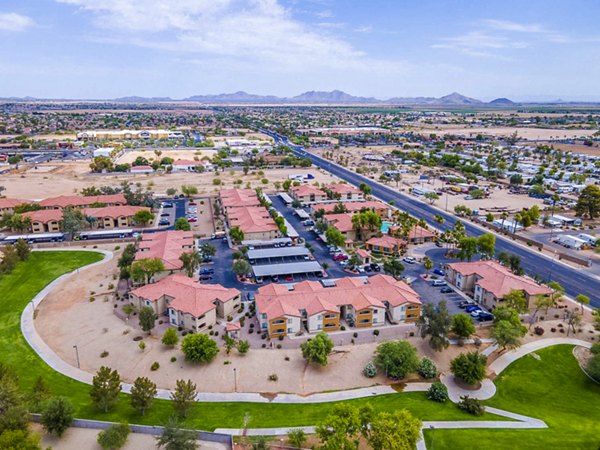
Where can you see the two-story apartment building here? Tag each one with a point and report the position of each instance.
(307, 194)
(45, 220)
(168, 246)
(310, 306)
(237, 198)
(110, 217)
(488, 282)
(255, 222)
(345, 192)
(386, 245)
(380, 208)
(7, 205)
(187, 303)
(78, 201)
(342, 223)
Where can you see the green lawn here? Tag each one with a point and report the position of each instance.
(553, 389)
(17, 289)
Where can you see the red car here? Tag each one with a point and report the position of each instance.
(340, 257)
(192, 220)
(289, 278)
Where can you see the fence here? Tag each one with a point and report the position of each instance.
(207, 436)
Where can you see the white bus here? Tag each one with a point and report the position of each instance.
(36, 238)
(105, 234)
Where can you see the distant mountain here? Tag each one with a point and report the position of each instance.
(448, 100)
(136, 99)
(501, 102)
(330, 97)
(236, 97)
(458, 99)
(411, 100)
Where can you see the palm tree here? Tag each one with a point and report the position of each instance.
(503, 216)
(191, 261)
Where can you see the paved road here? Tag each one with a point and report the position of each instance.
(575, 281)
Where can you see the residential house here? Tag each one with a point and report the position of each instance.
(45, 220)
(187, 303)
(386, 245)
(488, 282)
(110, 217)
(307, 194)
(310, 306)
(167, 246)
(186, 165)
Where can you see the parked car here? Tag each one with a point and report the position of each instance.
(343, 263)
(446, 290)
(367, 268)
(192, 203)
(484, 316)
(250, 296)
(259, 280)
(475, 313)
(165, 215)
(376, 267)
(340, 257)
(472, 308)
(205, 277)
(289, 278)
(308, 223)
(274, 278)
(438, 283)
(464, 303)
(409, 260)
(439, 272)
(167, 205)
(192, 220)
(207, 270)
(439, 244)
(163, 222)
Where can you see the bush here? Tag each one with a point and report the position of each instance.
(104, 354)
(469, 367)
(155, 366)
(376, 332)
(538, 330)
(199, 348)
(114, 437)
(273, 377)
(173, 358)
(170, 337)
(427, 369)
(438, 392)
(370, 370)
(396, 358)
(471, 406)
(355, 334)
(57, 415)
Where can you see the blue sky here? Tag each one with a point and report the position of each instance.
(535, 49)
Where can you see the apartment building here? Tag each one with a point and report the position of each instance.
(238, 198)
(255, 222)
(308, 194)
(110, 217)
(386, 245)
(380, 208)
(77, 201)
(45, 220)
(345, 192)
(312, 307)
(7, 205)
(167, 246)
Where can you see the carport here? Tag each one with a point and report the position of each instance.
(302, 214)
(278, 253)
(296, 268)
(270, 243)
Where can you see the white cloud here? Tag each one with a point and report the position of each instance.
(256, 31)
(14, 22)
(505, 25)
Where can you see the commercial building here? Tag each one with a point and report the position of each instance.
(310, 306)
(488, 282)
(188, 304)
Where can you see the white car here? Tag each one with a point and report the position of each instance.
(409, 260)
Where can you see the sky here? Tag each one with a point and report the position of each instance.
(95, 49)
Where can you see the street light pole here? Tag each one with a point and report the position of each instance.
(432, 436)
(77, 355)
(234, 379)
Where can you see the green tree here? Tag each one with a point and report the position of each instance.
(427, 263)
(236, 235)
(335, 237)
(297, 438)
(142, 393)
(175, 438)
(189, 190)
(23, 249)
(469, 367)
(241, 267)
(19, 440)
(191, 261)
(170, 337)
(243, 346)
(340, 429)
(144, 269)
(393, 267)
(182, 224)
(101, 164)
(13, 412)
(39, 393)
(467, 248)
(396, 358)
(171, 191)
(208, 249)
(199, 348)
(143, 217)
(593, 365)
(114, 437)
(516, 300)
(462, 326)
(147, 319)
(432, 197)
(588, 203)
(582, 300)
(507, 334)
(317, 349)
(435, 322)
(183, 397)
(106, 386)
(365, 189)
(129, 309)
(393, 431)
(486, 245)
(57, 415)
(73, 220)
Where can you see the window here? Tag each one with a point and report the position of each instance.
(264, 326)
(365, 321)
(290, 320)
(319, 326)
(264, 315)
(278, 322)
(202, 325)
(374, 319)
(330, 316)
(279, 331)
(363, 313)
(319, 317)
(330, 325)
(290, 330)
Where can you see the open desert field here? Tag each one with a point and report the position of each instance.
(130, 155)
(524, 133)
(68, 178)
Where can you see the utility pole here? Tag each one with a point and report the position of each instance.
(77, 355)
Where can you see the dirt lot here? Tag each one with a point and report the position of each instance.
(68, 178)
(82, 438)
(130, 156)
(524, 133)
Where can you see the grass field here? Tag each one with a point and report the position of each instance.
(553, 389)
(42, 267)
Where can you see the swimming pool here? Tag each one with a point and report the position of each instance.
(385, 226)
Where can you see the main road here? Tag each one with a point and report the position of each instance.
(575, 281)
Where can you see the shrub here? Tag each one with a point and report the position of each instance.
(104, 354)
(114, 436)
(538, 330)
(57, 415)
(553, 330)
(355, 334)
(370, 370)
(170, 337)
(438, 392)
(199, 348)
(173, 358)
(280, 338)
(469, 367)
(376, 332)
(273, 377)
(343, 328)
(471, 406)
(142, 345)
(396, 358)
(155, 366)
(427, 369)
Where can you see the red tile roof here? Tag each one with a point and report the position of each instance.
(235, 198)
(497, 279)
(343, 188)
(45, 215)
(352, 207)
(418, 232)
(78, 201)
(276, 301)
(307, 189)
(187, 295)
(386, 241)
(343, 222)
(167, 246)
(10, 203)
(114, 212)
(252, 219)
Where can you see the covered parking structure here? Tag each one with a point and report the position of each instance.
(271, 243)
(278, 255)
(302, 214)
(295, 268)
